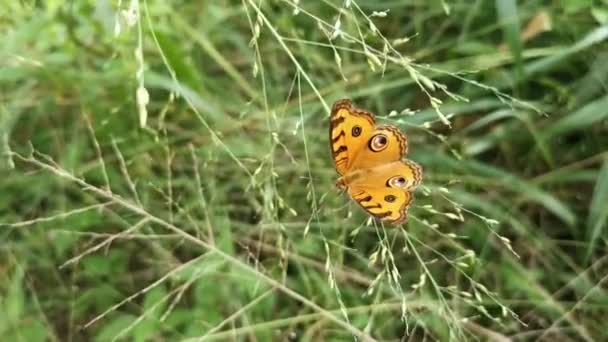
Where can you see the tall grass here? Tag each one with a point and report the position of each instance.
(166, 171)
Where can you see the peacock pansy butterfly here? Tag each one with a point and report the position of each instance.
(370, 161)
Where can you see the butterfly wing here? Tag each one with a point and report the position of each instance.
(349, 131)
(385, 191)
(389, 205)
(386, 144)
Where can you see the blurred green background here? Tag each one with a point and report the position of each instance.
(165, 170)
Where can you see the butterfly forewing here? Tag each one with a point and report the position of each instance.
(375, 154)
(349, 131)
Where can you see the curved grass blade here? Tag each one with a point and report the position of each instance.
(598, 210)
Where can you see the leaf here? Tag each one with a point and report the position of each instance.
(540, 23)
(113, 327)
(509, 20)
(178, 60)
(600, 15)
(571, 7)
(152, 309)
(530, 191)
(596, 36)
(14, 303)
(583, 118)
(593, 84)
(598, 209)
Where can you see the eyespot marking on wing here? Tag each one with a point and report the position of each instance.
(401, 138)
(396, 182)
(378, 142)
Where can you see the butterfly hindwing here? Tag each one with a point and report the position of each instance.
(386, 204)
(385, 191)
(349, 131)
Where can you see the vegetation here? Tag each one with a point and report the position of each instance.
(166, 173)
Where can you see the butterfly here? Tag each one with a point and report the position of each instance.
(369, 159)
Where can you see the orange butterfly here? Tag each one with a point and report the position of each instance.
(369, 160)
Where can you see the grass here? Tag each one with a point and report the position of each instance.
(166, 171)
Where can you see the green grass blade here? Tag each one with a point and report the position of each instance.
(509, 18)
(588, 115)
(598, 210)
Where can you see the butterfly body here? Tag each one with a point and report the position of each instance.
(369, 160)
